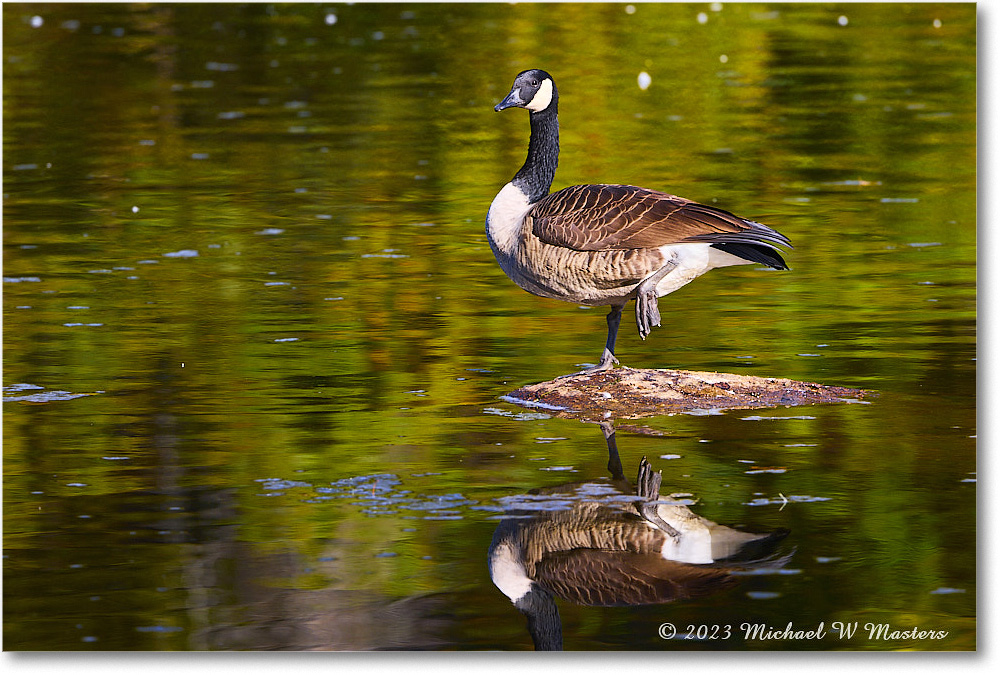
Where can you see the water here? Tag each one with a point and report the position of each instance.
(255, 340)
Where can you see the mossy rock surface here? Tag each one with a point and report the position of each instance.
(628, 393)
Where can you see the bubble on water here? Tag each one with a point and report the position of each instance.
(723, 58)
(385, 253)
(37, 21)
(759, 418)
(221, 67)
(842, 20)
(281, 484)
(330, 19)
(698, 412)
(702, 17)
(21, 386)
(644, 80)
(183, 253)
(135, 209)
(762, 595)
(630, 9)
(937, 23)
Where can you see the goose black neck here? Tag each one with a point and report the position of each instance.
(544, 623)
(535, 178)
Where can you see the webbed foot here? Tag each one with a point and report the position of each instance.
(647, 312)
(648, 488)
(608, 361)
(648, 483)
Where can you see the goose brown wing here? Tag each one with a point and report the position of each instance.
(616, 578)
(619, 217)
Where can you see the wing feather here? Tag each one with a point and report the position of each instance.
(618, 578)
(621, 217)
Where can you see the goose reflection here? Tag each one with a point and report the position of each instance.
(602, 544)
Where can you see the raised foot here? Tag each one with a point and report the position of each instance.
(647, 485)
(647, 313)
(648, 488)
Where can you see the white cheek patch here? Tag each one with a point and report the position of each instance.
(542, 98)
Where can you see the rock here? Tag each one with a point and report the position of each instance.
(628, 393)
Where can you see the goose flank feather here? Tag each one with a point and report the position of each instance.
(604, 245)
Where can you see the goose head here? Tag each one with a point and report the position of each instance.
(533, 90)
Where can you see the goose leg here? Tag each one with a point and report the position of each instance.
(647, 313)
(608, 359)
(614, 460)
(614, 320)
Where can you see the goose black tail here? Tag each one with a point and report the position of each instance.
(757, 253)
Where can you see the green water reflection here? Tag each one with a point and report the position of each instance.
(254, 235)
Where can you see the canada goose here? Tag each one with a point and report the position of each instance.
(607, 244)
(616, 552)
